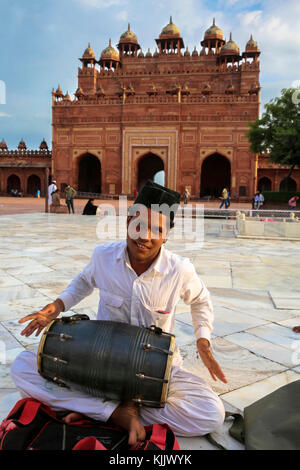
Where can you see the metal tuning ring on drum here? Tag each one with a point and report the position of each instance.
(62, 336)
(155, 329)
(75, 317)
(142, 376)
(149, 347)
(53, 358)
(141, 402)
(59, 382)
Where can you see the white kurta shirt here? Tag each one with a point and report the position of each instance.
(143, 300)
(52, 187)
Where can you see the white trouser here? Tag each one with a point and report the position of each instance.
(192, 407)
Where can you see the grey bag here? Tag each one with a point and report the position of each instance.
(271, 423)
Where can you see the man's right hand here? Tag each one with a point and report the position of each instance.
(42, 318)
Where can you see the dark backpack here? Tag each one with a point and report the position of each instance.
(32, 425)
(271, 423)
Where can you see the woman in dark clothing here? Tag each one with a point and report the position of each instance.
(89, 208)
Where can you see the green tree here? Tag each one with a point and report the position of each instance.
(278, 131)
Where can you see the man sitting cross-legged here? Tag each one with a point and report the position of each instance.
(140, 283)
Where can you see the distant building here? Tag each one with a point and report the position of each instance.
(272, 177)
(24, 170)
(135, 114)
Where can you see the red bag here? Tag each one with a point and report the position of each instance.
(32, 425)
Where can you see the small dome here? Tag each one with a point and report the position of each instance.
(67, 97)
(251, 44)
(43, 145)
(170, 30)
(88, 53)
(109, 53)
(141, 54)
(78, 92)
(195, 52)
(187, 52)
(22, 145)
(3, 145)
(230, 47)
(155, 54)
(59, 92)
(128, 36)
(148, 53)
(214, 32)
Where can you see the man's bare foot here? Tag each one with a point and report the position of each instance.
(127, 416)
(71, 417)
(296, 329)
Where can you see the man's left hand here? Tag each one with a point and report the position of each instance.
(208, 360)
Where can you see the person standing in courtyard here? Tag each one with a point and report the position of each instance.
(224, 199)
(293, 202)
(70, 194)
(186, 196)
(146, 281)
(51, 189)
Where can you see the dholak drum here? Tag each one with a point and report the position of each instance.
(108, 359)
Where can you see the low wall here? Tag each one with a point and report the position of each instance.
(267, 227)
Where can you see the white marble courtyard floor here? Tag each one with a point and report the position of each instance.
(254, 285)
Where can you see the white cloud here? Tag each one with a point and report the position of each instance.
(100, 3)
(5, 115)
(122, 15)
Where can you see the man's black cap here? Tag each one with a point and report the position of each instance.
(153, 194)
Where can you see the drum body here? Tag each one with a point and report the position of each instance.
(108, 359)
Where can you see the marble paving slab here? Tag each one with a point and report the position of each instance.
(286, 300)
(260, 347)
(276, 334)
(244, 396)
(21, 307)
(239, 365)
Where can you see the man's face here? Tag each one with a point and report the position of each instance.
(145, 235)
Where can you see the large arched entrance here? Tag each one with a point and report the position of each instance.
(89, 174)
(33, 184)
(151, 167)
(13, 182)
(215, 175)
(288, 184)
(264, 184)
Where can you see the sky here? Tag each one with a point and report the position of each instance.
(41, 41)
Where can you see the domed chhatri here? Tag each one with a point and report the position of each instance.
(170, 39)
(213, 39)
(3, 145)
(109, 53)
(252, 50)
(43, 145)
(170, 31)
(88, 57)
(128, 36)
(230, 47)
(88, 53)
(22, 145)
(213, 32)
(128, 44)
(109, 57)
(230, 52)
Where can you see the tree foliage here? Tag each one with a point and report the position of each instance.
(278, 131)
